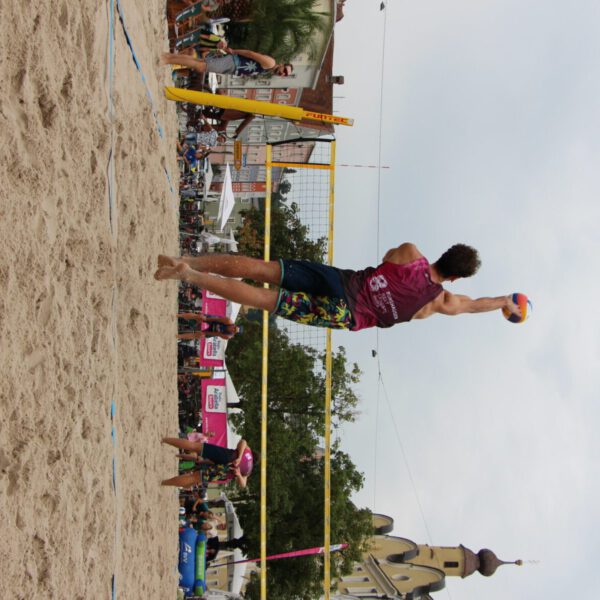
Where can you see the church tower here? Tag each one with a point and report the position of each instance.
(397, 568)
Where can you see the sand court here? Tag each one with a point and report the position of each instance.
(86, 159)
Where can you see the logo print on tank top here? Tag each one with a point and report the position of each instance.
(378, 282)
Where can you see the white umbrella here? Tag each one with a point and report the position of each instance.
(227, 199)
(208, 177)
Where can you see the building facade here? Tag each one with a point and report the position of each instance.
(398, 568)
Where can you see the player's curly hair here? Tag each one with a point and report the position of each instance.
(459, 261)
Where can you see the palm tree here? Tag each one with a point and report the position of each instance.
(280, 28)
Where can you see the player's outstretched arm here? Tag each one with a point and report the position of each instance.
(456, 304)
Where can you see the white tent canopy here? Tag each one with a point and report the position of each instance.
(208, 177)
(227, 199)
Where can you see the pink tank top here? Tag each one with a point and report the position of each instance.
(389, 293)
(247, 462)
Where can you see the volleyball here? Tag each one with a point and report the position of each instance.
(523, 302)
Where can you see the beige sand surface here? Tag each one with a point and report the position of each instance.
(82, 322)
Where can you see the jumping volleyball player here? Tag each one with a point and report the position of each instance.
(403, 287)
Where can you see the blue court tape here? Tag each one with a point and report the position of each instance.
(111, 54)
(169, 180)
(113, 434)
(139, 68)
(148, 93)
(110, 171)
(111, 112)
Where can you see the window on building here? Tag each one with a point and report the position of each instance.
(362, 592)
(395, 558)
(450, 564)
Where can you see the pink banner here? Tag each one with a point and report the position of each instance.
(213, 305)
(212, 349)
(214, 410)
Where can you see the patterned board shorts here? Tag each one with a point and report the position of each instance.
(318, 311)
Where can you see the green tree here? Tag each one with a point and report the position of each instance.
(289, 236)
(280, 28)
(295, 473)
(296, 389)
(284, 187)
(295, 519)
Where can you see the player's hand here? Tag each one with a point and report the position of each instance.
(512, 307)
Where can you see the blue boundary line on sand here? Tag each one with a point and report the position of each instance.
(111, 109)
(169, 180)
(113, 434)
(148, 93)
(139, 68)
(111, 54)
(111, 61)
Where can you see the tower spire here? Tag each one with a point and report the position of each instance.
(489, 562)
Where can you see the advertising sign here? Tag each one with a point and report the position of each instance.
(214, 410)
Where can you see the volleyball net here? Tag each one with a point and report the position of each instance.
(305, 171)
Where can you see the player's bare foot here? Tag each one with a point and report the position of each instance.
(166, 273)
(166, 58)
(178, 271)
(166, 261)
(182, 269)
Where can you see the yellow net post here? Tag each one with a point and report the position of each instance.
(258, 107)
(328, 368)
(330, 167)
(265, 373)
(325, 206)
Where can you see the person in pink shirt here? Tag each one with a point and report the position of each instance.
(213, 463)
(405, 286)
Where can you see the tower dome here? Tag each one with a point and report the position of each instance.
(485, 561)
(489, 562)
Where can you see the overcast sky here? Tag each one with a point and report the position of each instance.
(491, 128)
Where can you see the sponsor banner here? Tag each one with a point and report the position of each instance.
(328, 118)
(214, 410)
(212, 348)
(242, 186)
(217, 306)
(212, 352)
(237, 154)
